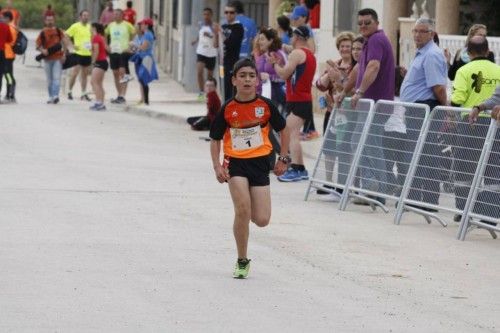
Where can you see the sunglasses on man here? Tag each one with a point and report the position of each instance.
(365, 22)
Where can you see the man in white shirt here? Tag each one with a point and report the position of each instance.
(206, 51)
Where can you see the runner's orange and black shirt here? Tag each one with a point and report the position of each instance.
(244, 127)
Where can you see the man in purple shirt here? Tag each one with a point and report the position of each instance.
(375, 81)
(376, 64)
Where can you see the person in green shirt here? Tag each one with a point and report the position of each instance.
(80, 34)
(474, 83)
(120, 34)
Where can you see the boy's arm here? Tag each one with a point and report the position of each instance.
(221, 173)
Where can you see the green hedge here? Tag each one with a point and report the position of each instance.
(32, 11)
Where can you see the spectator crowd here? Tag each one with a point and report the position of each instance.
(366, 69)
(286, 68)
(87, 49)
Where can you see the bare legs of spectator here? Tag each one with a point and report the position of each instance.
(200, 69)
(84, 72)
(121, 88)
(96, 82)
(295, 123)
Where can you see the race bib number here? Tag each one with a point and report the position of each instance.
(246, 138)
(116, 47)
(87, 45)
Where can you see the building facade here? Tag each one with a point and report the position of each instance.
(177, 23)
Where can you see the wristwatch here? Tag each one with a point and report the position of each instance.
(359, 92)
(285, 159)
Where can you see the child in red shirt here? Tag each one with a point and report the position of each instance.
(129, 14)
(202, 123)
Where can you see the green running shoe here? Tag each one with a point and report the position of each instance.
(241, 269)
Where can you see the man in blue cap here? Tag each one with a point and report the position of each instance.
(299, 18)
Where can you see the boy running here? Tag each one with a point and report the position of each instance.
(243, 127)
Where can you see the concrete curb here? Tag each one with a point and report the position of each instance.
(178, 119)
(142, 111)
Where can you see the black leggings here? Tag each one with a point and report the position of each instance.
(9, 76)
(145, 88)
(2, 67)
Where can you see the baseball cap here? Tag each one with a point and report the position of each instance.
(302, 31)
(299, 11)
(146, 21)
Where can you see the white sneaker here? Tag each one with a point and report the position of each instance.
(330, 197)
(126, 78)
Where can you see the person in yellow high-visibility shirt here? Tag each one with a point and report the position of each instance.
(474, 83)
(80, 33)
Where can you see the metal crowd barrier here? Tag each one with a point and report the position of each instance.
(442, 165)
(482, 208)
(385, 153)
(446, 159)
(342, 135)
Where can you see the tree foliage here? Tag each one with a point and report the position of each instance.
(32, 11)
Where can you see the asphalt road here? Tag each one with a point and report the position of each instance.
(114, 222)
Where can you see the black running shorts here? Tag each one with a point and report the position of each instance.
(208, 61)
(300, 109)
(118, 60)
(101, 64)
(255, 169)
(84, 61)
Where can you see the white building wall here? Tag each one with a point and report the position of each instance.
(325, 38)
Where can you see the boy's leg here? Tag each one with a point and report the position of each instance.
(260, 205)
(240, 193)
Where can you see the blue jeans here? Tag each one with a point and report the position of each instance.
(372, 162)
(53, 72)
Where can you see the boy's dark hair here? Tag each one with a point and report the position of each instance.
(208, 9)
(245, 62)
(8, 15)
(272, 35)
(82, 11)
(284, 23)
(238, 6)
(99, 28)
(213, 80)
(129, 4)
(478, 45)
(368, 11)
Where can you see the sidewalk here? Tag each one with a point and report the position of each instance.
(169, 101)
